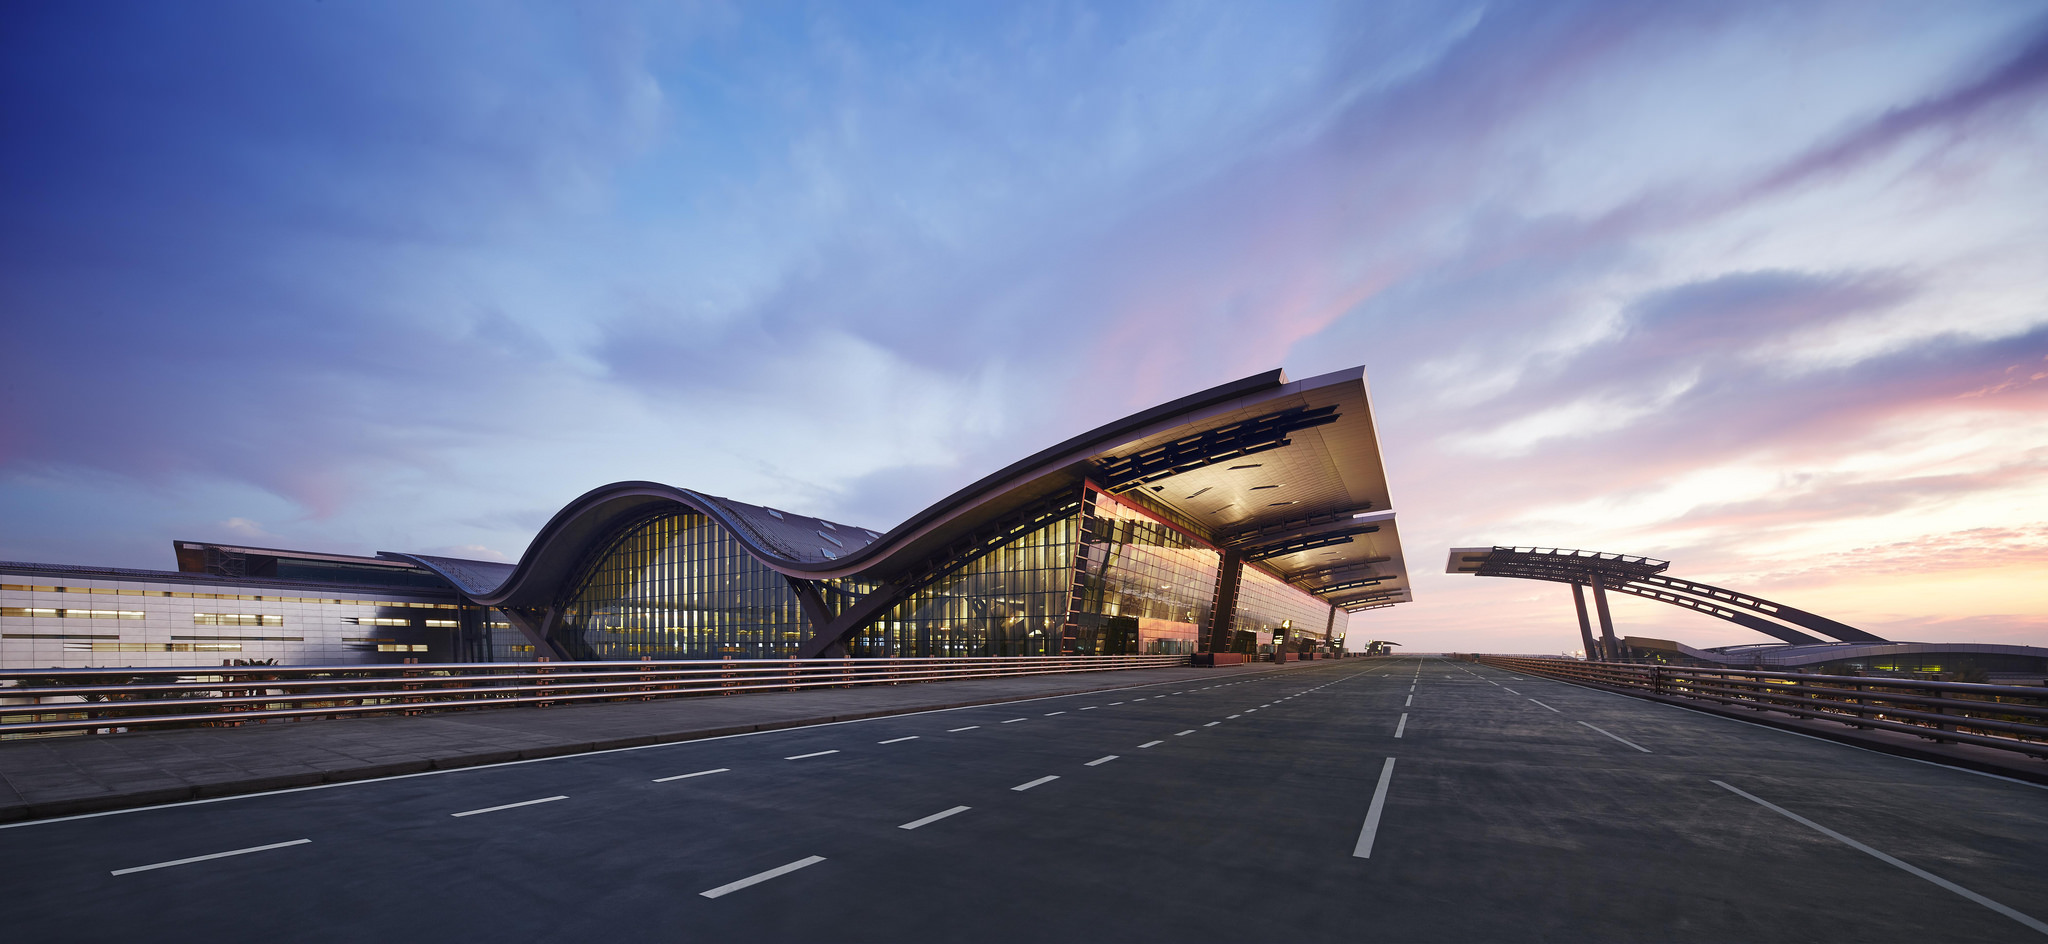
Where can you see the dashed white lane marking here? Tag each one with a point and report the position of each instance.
(1212, 724)
(1409, 703)
(509, 806)
(1617, 737)
(1509, 690)
(1372, 814)
(1089, 708)
(1051, 713)
(776, 872)
(1403, 726)
(811, 754)
(213, 855)
(1020, 788)
(1237, 716)
(1115, 703)
(898, 740)
(1015, 720)
(935, 817)
(1182, 734)
(1106, 758)
(1250, 710)
(720, 770)
(958, 730)
(1137, 699)
(1151, 743)
(1859, 847)
(1546, 706)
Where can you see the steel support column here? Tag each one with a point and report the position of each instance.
(1585, 625)
(1607, 640)
(1227, 577)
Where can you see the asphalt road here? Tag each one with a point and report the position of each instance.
(1402, 800)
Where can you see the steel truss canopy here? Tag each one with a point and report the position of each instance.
(1645, 577)
(1281, 475)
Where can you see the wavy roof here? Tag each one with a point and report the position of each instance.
(1305, 496)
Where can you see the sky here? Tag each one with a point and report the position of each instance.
(1759, 289)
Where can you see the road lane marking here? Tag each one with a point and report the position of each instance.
(1020, 788)
(958, 730)
(1137, 699)
(509, 806)
(214, 855)
(1546, 706)
(1403, 726)
(1617, 737)
(1182, 734)
(1509, 690)
(1853, 844)
(1237, 716)
(898, 740)
(777, 872)
(1212, 724)
(1250, 710)
(1409, 703)
(1015, 720)
(1372, 813)
(1115, 703)
(811, 754)
(1051, 713)
(935, 817)
(707, 773)
(1099, 761)
(1089, 708)
(1151, 743)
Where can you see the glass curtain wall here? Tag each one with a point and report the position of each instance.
(1266, 603)
(681, 587)
(1145, 588)
(1008, 602)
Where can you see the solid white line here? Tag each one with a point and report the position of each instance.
(811, 754)
(1015, 720)
(1372, 813)
(1853, 844)
(898, 740)
(1182, 734)
(1212, 724)
(1403, 726)
(776, 872)
(1151, 743)
(1618, 737)
(1099, 761)
(935, 817)
(1409, 703)
(701, 773)
(216, 855)
(1051, 713)
(509, 806)
(1020, 788)
(958, 730)
(1546, 706)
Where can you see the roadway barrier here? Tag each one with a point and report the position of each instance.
(51, 702)
(2005, 717)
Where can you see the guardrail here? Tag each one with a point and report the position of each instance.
(2005, 717)
(51, 702)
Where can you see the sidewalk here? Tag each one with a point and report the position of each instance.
(64, 776)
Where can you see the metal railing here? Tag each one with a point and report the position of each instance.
(49, 702)
(2005, 717)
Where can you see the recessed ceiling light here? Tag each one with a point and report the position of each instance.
(1278, 504)
(1198, 494)
(1237, 467)
(1259, 487)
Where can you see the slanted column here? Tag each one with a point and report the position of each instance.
(1227, 577)
(1585, 625)
(1607, 639)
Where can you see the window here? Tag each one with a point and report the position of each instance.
(237, 619)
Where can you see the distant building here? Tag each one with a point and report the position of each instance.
(1251, 517)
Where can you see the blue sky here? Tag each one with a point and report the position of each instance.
(1761, 289)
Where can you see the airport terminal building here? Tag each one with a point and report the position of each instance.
(1252, 517)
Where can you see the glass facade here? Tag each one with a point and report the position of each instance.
(1144, 587)
(1008, 602)
(1266, 604)
(681, 587)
